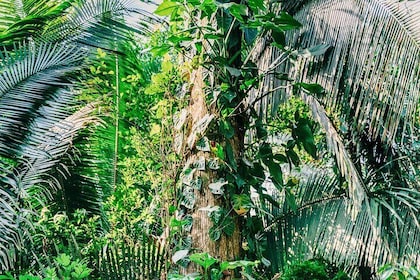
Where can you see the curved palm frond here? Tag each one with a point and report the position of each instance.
(142, 260)
(100, 23)
(322, 227)
(9, 14)
(370, 72)
(31, 185)
(29, 77)
(23, 19)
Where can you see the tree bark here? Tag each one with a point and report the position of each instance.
(227, 248)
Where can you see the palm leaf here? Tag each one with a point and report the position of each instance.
(321, 227)
(375, 56)
(100, 23)
(30, 18)
(143, 260)
(28, 78)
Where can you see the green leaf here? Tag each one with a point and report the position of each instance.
(235, 264)
(229, 95)
(217, 187)
(261, 131)
(231, 157)
(241, 201)
(63, 260)
(276, 174)
(312, 88)
(257, 5)
(387, 273)
(294, 158)
(279, 37)
(250, 34)
(280, 158)
(226, 129)
(228, 226)
(265, 153)
(203, 259)
(167, 8)
(316, 50)
(238, 11)
(291, 200)
(235, 72)
(304, 135)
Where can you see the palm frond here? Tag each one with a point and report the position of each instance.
(30, 18)
(28, 78)
(100, 23)
(31, 185)
(322, 227)
(371, 73)
(357, 190)
(9, 14)
(143, 260)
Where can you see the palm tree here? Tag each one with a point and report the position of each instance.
(44, 44)
(366, 57)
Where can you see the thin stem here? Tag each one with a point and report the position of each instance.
(117, 112)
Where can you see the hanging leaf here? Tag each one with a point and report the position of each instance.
(250, 34)
(314, 51)
(179, 255)
(167, 8)
(213, 163)
(217, 187)
(228, 226)
(235, 72)
(203, 144)
(265, 152)
(312, 88)
(279, 37)
(276, 174)
(291, 200)
(260, 129)
(241, 203)
(303, 134)
(226, 129)
(293, 157)
(188, 198)
(229, 95)
(215, 233)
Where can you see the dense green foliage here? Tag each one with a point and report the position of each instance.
(103, 160)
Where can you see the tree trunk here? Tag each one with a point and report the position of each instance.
(227, 248)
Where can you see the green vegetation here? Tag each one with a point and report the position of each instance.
(209, 140)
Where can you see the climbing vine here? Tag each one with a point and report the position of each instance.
(229, 140)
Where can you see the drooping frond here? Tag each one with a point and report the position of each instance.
(100, 23)
(9, 14)
(142, 260)
(371, 72)
(322, 227)
(30, 186)
(23, 20)
(28, 78)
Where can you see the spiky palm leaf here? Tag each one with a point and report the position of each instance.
(37, 129)
(370, 72)
(31, 185)
(142, 260)
(321, 226)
